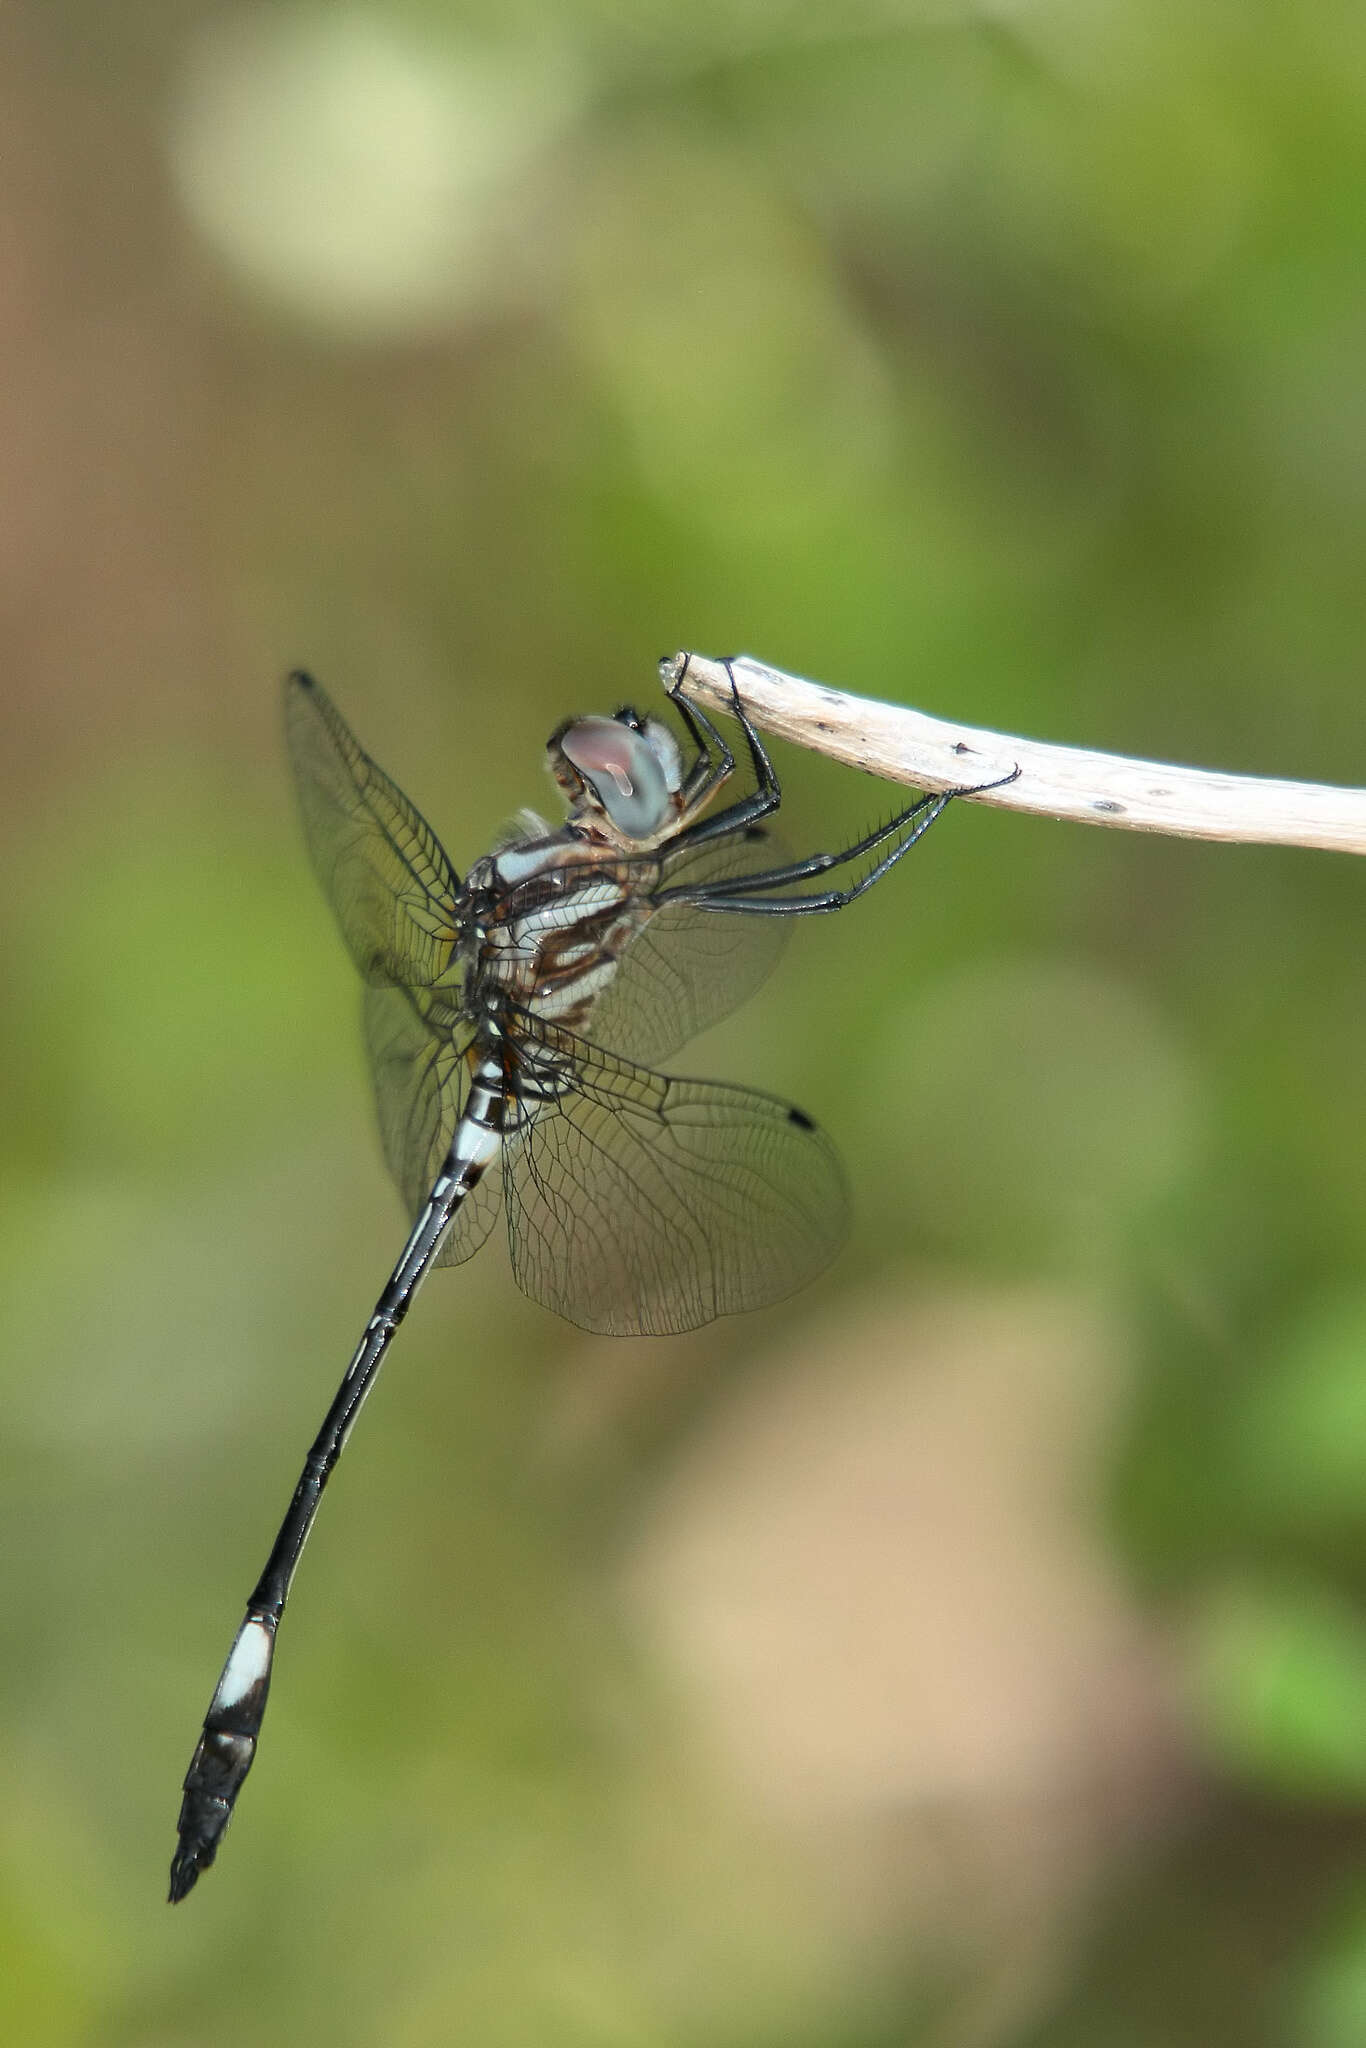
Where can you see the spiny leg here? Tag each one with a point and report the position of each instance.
(748, 810)
(706, 775)
(738, 893)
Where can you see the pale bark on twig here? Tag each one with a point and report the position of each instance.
(1056, 782)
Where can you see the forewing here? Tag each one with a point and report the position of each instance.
(416, 1044)
(381, 866)
(639, 1205)
(688, 968)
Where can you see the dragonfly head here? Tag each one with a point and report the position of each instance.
(624, 772)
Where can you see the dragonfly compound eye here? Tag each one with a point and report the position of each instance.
(625, 772)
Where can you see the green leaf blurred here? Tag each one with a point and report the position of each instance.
(1280, 1675)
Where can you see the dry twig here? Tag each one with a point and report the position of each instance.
(1055, 782)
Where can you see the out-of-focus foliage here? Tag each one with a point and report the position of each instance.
(973, 1650)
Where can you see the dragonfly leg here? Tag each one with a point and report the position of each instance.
(740, 893)
(748, 810)
(706, 774)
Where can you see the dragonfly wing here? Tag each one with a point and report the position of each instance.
(390, 885)
(639, 1205)
(416, 1043)
(688, 968)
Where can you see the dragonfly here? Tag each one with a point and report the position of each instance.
(514, 1023)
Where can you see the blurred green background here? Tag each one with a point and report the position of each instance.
(973, 1651)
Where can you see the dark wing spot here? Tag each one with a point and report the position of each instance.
(800, 1118)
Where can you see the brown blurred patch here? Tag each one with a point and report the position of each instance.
(880, 1580)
